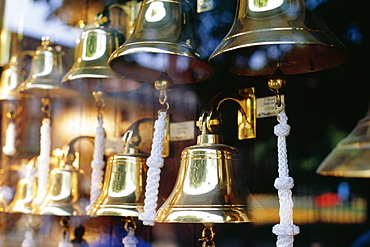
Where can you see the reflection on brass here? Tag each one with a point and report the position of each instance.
(209, 187)
(247, 108)
(46, 72)
(25, 191)
(124, 183)
(162, 41)
(351, 156)
(288, 34)
(11, 77)
(63, 194)
(90, 71)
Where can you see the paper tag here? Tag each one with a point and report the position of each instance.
(181, 131)
(204, 5)
(266, 106)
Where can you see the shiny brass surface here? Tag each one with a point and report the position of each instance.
(209, 187)
(46, 72)
(267, 33)
(90, 71)
(160, 42)
(351, 156)
(210, 119)
(25, 191)
(124, 183)
(11, 77)
(62, 196)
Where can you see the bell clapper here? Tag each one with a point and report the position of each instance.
(130, 226)
(46, 106)
(163, 84)
(208, 235)
(64, 222)
(276, 82)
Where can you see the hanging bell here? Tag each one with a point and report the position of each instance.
(90, 70)
(46, 72)
(161, 41)
(350, 158)
(123, 189)
(267, 33)
(62, 195)
(25, 191)
(209, 187)
(11, 77)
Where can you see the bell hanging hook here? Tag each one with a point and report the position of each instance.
(46, 106)
(163, 84)
(276, 82)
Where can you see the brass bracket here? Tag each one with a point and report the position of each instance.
(210, 118)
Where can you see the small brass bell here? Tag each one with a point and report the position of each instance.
(209, 187)
(161, 41)
(123, 189)
(46, 72)
(11, 77)
(62, 196)
(91, 70)
(25, 192)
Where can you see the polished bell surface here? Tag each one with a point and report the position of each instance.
(11, 77)
(46, 72)
(351, 156)
(90, 70)
(161, 41)
(267, 34)
(62, 196)
(123, 190)
(25, 191)
(210, 187)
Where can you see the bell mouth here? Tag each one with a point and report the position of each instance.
(145, 61)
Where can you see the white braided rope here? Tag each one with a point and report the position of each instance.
(9, 147)
(43, 161)
(286, 229)
(28, 241)
(98, 163)
(65, 241)
(154, 162)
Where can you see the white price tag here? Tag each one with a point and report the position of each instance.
(182, 131)
(266, 106)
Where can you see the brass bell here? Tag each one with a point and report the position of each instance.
(25, 191)
(46, 72)
(209, 187)
(11, 77)
(62, 195)
(267, 33)
(90, 70)
(350, 158)
(123, 189)
(161, 41)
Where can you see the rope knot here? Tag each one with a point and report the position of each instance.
(282, 129)
(284, 183)
(155, 162)
(285, 230)
(147, 218)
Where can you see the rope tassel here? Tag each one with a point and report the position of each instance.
(98, 163)
(43, 161)
(286, 229)
(154, 162)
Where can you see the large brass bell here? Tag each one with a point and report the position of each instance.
(267, 34)
(161, 41)
(62, 195)
(44, 79)
(25, 191)
(90, 70)
(123, 190)
(209, 187)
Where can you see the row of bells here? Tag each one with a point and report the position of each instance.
(209, 188)
(264, 35)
